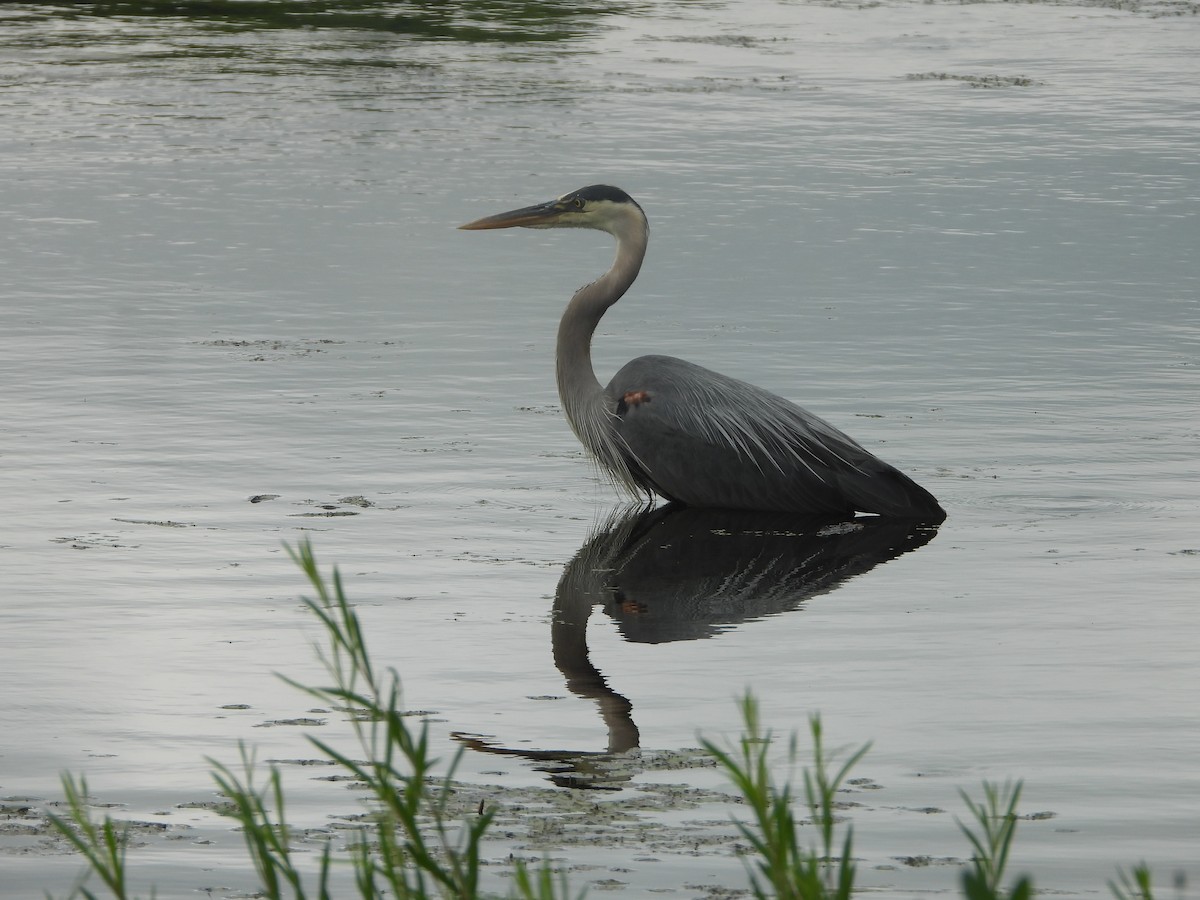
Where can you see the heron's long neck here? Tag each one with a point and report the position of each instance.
(577, 383)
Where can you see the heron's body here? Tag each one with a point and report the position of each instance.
(667, 427)
(707, 440)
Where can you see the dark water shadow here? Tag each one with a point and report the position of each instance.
(471, 21)
(673, 574)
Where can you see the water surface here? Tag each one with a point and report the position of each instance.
(964, 233)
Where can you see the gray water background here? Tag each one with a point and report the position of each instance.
(967, 234)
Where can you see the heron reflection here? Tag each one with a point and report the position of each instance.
(678, 574)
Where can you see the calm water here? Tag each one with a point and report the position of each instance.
(965, 233)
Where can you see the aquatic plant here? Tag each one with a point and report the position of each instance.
(414, 848)
(1134, 884)
(997, 820)
(101, 844)
(781, 866)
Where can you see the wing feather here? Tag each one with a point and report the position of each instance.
(705, 439)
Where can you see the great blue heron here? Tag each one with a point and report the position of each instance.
(665, 426)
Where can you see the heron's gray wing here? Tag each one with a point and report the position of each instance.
(707, 440)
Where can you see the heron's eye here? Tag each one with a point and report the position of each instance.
(577, 203)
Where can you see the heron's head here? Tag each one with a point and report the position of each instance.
(598, 206)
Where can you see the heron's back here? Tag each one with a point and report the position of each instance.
(708, 440)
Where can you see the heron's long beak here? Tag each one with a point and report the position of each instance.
(528, 217)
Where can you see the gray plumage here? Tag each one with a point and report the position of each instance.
(667, 427)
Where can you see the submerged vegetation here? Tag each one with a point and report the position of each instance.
(412, 845)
